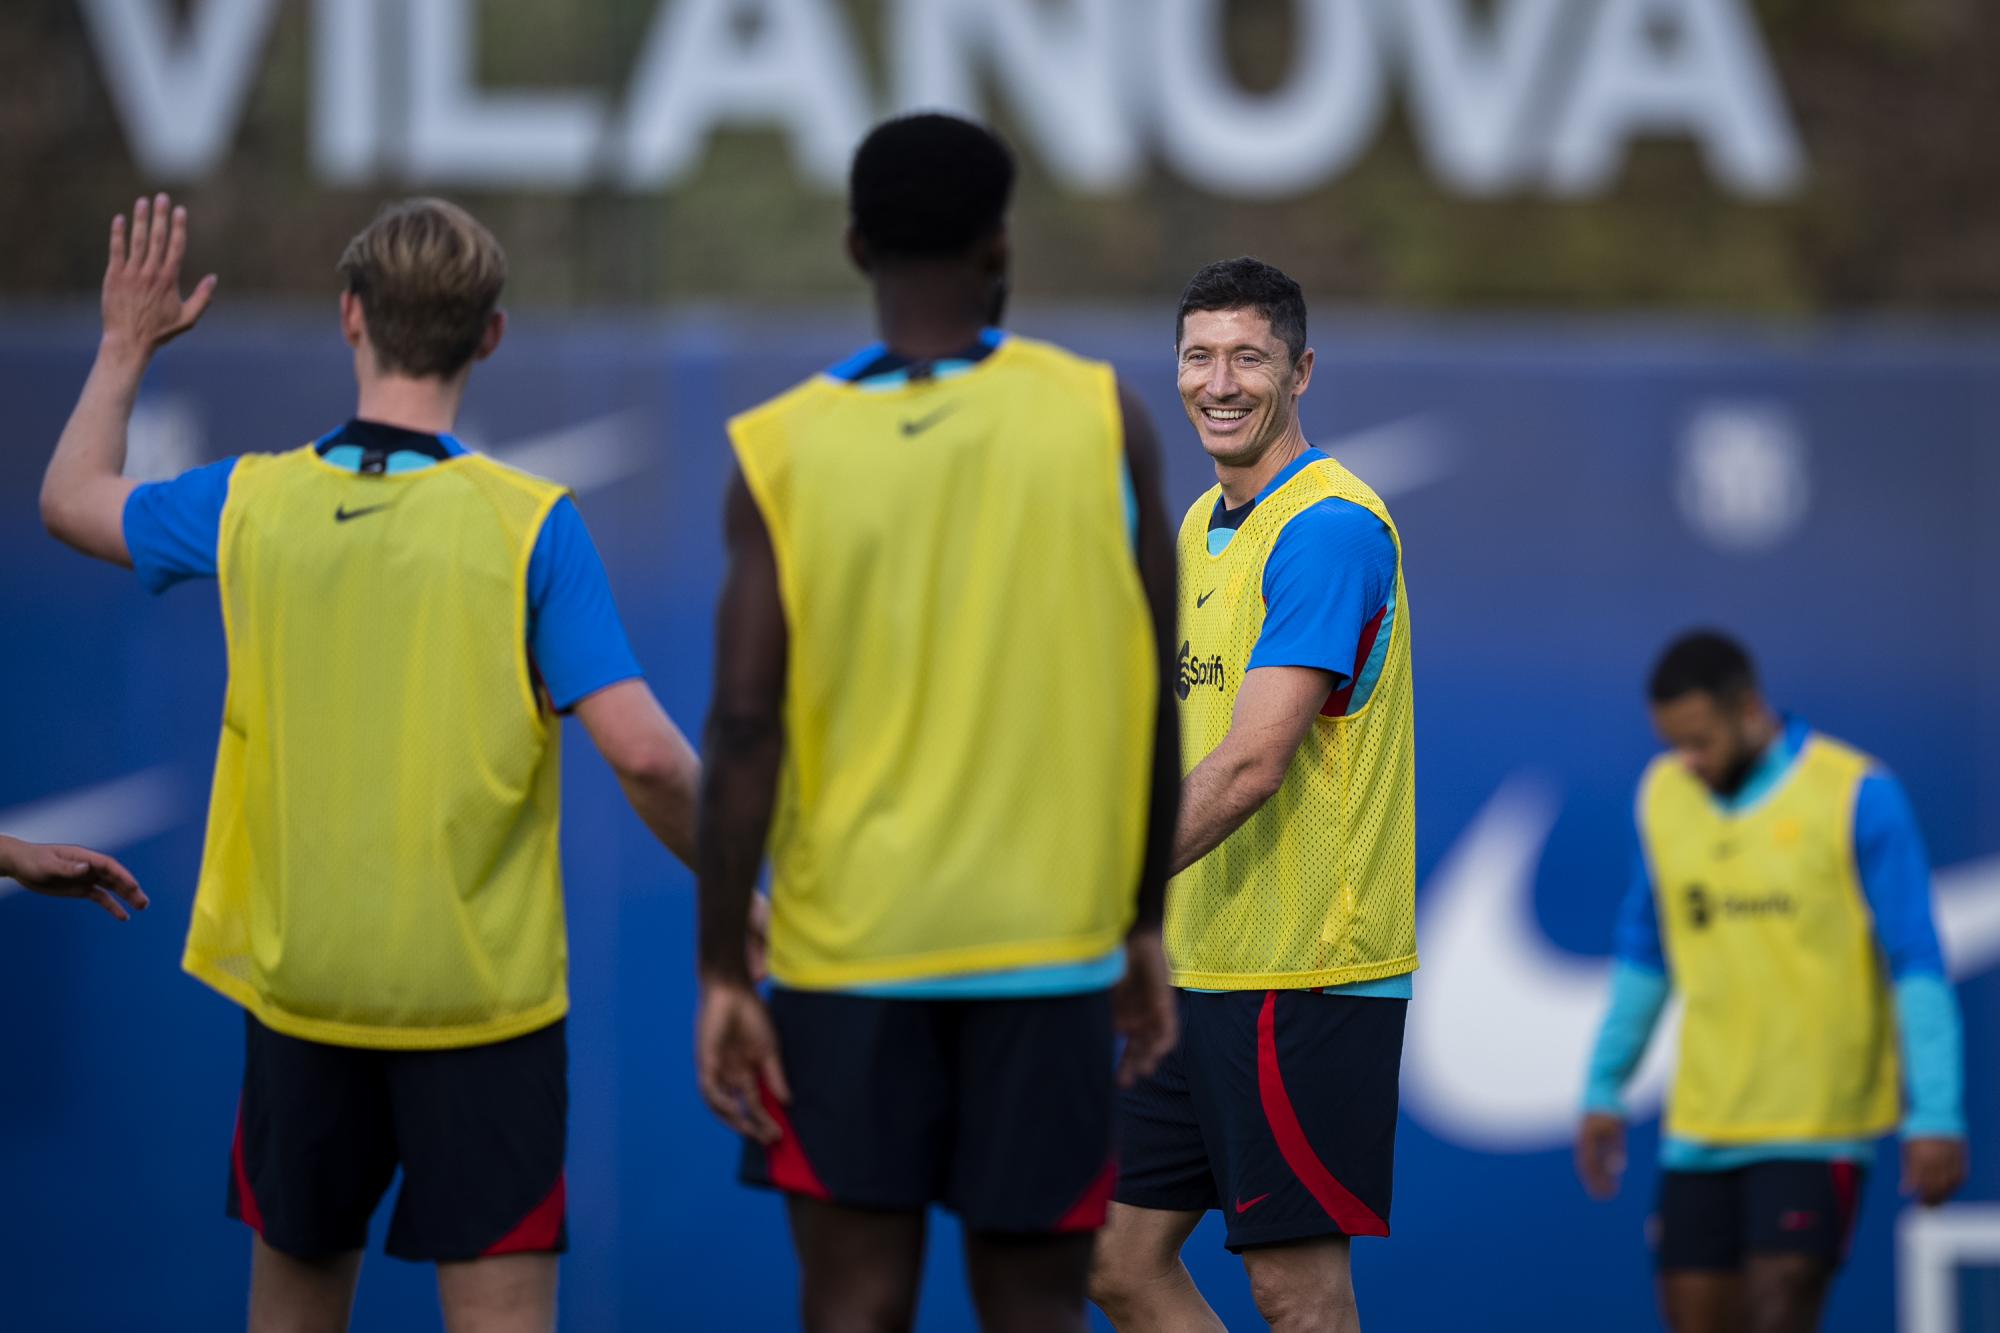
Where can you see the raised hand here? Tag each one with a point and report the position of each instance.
(143, 306)
(72, 872)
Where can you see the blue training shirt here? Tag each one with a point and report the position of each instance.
(1894, 870)
(577, 642)
(1329, 590)
(1329, 604)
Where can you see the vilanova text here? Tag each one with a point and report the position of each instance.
(1512, 96)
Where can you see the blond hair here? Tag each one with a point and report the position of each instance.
(428, 276)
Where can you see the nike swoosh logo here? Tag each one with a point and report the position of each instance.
(924, 423)
(1242, 1207)
(1202, 600)
(1498, 1047)
(341, 513)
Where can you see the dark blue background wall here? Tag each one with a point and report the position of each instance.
(1569, 496)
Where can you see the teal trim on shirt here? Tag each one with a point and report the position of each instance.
(1093, 974)
(1219, 538)
(1933, 1038)
(1685, 1155)
(1769, 770)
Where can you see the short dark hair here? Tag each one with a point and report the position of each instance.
(929, 185)
(1702, 661)
(429, 276)
(1246, 283)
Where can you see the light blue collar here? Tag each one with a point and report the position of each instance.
(1770, 769)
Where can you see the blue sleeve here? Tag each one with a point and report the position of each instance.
(1895, 873)
(1636, 937)
(1896, 877)
(574, 632)
(172, 528)
(1927, 1024)
(1332, 570)
(1638, 994)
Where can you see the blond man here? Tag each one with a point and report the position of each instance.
(381, 887)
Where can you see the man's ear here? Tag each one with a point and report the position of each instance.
(489, 341)
(857, 250)
(999, 253)
(1750, 708)
(353, 319)
(1302, 373)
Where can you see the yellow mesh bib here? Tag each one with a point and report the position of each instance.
(1318, 887)
(382, 866)
(971, 689)
(1788, 1032)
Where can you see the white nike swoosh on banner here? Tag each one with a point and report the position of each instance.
(104, 818)
(1397, 457)
(585, 457)
(1504, 1021)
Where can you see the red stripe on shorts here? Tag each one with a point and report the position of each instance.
(790, 1171)
(246, 1200)
(1087, 1213)
(540, 1229)
(1352, 1216)
(1847, 1191)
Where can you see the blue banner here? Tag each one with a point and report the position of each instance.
(1569, 496)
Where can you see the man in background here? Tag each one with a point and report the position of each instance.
(381, 888)
(1291, 924)
(1784, 890)
(946, 617)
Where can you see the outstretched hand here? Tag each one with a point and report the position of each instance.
(143, 306)
(72, 872)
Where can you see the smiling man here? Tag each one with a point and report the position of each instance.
(1291, 923)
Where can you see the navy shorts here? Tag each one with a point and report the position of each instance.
(1711, 1220)
(1278, 1107)
(477, 1130)
(998, 1109)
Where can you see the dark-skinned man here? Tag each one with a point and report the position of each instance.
(1783, 889)
(940, 657)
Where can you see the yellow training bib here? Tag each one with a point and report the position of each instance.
(971, 686)
(1318, 887)
(382, 867)
(1788, 1032)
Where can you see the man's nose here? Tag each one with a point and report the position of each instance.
(1221, 380)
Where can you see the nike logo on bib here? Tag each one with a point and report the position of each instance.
(924, 423)
(1202, 600)
(342, 513)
